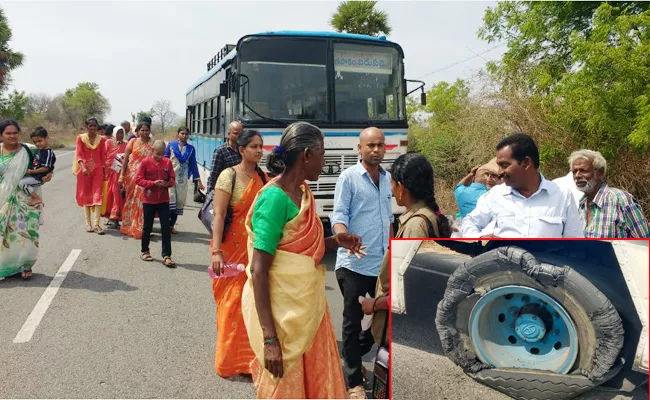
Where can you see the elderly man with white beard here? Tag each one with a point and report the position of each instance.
(605, 212)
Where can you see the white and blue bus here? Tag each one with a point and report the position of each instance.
(341, 83)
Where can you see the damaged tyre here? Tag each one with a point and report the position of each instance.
(542, 330)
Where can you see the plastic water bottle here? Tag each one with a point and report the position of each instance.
(229, 269)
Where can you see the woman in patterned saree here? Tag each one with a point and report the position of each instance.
(18, 221)
(136, 151)
(115, 148)
(283, 302)
(233, 351)
(88, 166)
(183, 158)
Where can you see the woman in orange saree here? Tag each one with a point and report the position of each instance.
(233, 351)
(88, 166)
(115, 148)
(283, 302)
(136, 151)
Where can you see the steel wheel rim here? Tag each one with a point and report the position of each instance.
(520, 327)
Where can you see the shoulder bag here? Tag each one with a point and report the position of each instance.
(206, 213)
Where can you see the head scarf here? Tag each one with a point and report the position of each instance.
(117, 129)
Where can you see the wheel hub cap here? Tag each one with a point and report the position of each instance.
(530, 328)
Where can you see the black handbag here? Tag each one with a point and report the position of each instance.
(381, 380)
(206, 213)
(199, 197)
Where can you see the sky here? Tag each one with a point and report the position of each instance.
(142, 51)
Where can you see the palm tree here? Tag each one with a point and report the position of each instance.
(9, 59)
(360, 17)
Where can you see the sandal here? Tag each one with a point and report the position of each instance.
(146, 257)
(26, 274)
(358, 392)
(99, 230)
(174, 231)
(89, 229)
(169, 263)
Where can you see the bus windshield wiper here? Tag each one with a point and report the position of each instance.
(263, 117)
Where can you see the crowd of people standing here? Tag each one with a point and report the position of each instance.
(273, 320)
(509, 197)
(114, 166)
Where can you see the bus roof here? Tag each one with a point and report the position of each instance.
(323, 34)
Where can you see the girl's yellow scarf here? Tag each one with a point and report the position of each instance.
(86, 141)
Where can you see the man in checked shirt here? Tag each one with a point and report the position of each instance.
(605, 212)
(227, 155)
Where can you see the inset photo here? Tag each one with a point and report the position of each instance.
(523, 319)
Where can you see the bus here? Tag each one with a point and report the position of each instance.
(340, 82)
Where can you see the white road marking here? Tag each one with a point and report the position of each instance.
(29, 327)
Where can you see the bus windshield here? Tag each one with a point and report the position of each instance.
(287, 79)
(283, 79)
(368, 83)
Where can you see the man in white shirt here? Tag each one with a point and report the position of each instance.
(526, 205)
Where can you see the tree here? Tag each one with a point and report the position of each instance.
(83, 102)
(14, 106)
(9, 59)
(360, 17)
(163, 113)
(144, 115)
(586, 62)
(56, 111)
(39, 103)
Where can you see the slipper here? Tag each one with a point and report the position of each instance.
(169, 263)
(26, 274)
(89, 229)
(174, 231)
(357, 392)
(146, 257)
(99, 230)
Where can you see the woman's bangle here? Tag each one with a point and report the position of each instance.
(269, 341)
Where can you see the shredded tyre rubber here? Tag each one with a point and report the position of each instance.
(604, 319)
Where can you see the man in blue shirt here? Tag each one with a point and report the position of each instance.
(362, 206)
(467, 192)
(480, 179)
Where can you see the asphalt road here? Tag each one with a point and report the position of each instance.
(118, 327)
(421, 371)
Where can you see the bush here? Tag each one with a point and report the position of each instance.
(60, 135)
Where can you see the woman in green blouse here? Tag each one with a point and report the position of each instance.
(283, 302)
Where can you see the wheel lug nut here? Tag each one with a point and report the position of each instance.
(534, 318)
